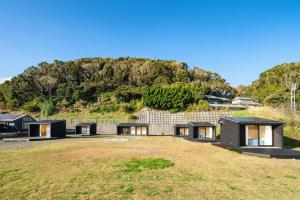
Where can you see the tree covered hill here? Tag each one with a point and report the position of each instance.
(103, 84)
(273, 85)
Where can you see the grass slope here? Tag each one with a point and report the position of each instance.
(143, 168)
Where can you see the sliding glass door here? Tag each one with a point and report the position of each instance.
(205, 132)
(265, 135)
(257, 135)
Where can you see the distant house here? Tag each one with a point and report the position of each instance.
(14, 123)
(202, 130)
(86, 129)
(239, 132)
(216, 100)
(47, 129)
(132, 129)
(244, 101)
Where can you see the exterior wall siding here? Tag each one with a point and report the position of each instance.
(230, 134)
(278, 136)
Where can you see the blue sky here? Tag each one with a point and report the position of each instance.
(237, 39)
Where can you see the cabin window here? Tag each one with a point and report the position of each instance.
(85, 130)
(257, 135)
(209, 132)
(265, 135)
(141, 130)
(205, 132)
(252, 135)
(184, 131)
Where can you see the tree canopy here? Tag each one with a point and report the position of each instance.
(86, 80)
(273, 85)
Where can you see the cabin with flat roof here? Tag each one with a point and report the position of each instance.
(202, 131)
(239, 132)
(14, 123)
(132, 129)
(181, 130)
(47, 129)
(86, 129)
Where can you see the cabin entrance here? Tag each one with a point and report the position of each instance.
(44, 130)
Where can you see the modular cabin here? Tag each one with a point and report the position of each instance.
(47, 129)
(132, 129)
(14, 123)
(202, 131)
(181, 130)
(86, 129)
(239, 132)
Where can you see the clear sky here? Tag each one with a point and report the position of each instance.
(239, 39)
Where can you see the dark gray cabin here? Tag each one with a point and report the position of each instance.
(86, 128)
(47, 129)
(202, 130)
(239, 132)
(181, 130)
(132, 129)
(14, 123)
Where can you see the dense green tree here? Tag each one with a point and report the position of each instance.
(65, 83)
(273, 85)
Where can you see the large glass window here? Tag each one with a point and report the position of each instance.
(202, 132)
(259, 135)
(205, 132)
(252, 135)
(183, 131)
(265, 135)
(209, 132)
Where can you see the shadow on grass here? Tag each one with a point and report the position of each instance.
(291, 143)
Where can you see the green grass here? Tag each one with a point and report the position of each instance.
(137, 165)
(242, 113)
(115, 117)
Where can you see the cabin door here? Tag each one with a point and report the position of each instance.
(44, 130)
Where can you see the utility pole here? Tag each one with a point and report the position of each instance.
(293, 96)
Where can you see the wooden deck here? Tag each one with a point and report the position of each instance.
(265, 152)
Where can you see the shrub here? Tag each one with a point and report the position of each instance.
(127, 93)
(174, 97)
(32, 106)
(202, 105)
(105, 108)
(47, 108)
(128, 107)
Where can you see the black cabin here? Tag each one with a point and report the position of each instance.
(132, 129)
(202, 130)
(14, 123)
(86, 129)
(47, 129)
(181, 130)
(239, 132)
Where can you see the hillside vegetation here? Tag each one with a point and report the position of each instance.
(273, 85)
(110, 85)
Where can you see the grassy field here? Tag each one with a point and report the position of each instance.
(114, 117)
(143, 168)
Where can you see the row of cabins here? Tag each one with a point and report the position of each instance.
(234, 131)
